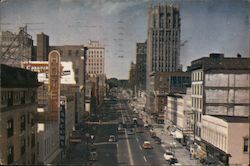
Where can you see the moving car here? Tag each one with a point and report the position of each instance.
(112, 138)
(131, 132)
(93, 156)
(168, 155)
(147, 145)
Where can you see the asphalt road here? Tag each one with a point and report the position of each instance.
(127, 150)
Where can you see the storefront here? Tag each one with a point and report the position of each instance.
(216, 154)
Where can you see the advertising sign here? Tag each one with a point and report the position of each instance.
(63, 101)
(42, 68)
(54, 82)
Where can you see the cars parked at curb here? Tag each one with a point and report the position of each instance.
(168, 155)
(147, 145)
(112, 138)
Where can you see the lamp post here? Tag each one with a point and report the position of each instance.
(87, 139)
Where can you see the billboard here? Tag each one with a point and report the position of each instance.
(42, 68)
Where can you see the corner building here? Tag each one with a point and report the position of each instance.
(17, 116)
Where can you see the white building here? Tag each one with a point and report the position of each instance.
(226, 137)
(95, 58)
(179, 116)
(220, 86)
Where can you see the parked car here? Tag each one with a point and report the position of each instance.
(157, 140)
(112, 138)
(152, 134)
(139, 130)
(93, 156)
(168, 155)
(147, 145)
(173, 161)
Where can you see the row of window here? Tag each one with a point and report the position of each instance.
(197, 103)
(95, 52)
(197, 76)
(11, 98)
(10, 152)
(197, 116)
(95, 72)
(197, 89)
(10, 124)
(94, 64)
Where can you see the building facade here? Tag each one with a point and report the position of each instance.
(226, 139)
(42, 48)
(163, 42)
(141, 58)
(95, 58)
(18, 108)
(76, 55)
(16, 47)
(179, 116)
(132, 76)
(220, 86)
(164, 83)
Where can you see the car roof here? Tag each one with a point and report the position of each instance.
(146, 142)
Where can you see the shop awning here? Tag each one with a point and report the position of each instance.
(178, 134)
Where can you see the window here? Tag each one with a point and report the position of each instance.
(69, 52)
(10, 99)
(32, 140)
(10, 154)
(22, 146)
(32, 121)
(22, 123)
(10, 129)
(245, 146)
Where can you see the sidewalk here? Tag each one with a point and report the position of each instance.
(181, 153)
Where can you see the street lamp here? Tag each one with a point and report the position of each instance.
(87, 139)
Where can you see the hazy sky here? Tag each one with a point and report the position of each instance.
(207, 25)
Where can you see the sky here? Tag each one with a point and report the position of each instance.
(206, 25)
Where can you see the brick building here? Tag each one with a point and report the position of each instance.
(18, 107)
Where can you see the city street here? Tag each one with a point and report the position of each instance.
(127, 150)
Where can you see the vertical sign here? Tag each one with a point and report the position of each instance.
(54, 83)
(63, 101)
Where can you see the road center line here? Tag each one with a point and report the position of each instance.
(140, 147)
(145, 159)
(128, 145)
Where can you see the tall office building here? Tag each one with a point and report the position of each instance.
(42, 48)
(163, 41)
(95, 58)
(141, 55)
